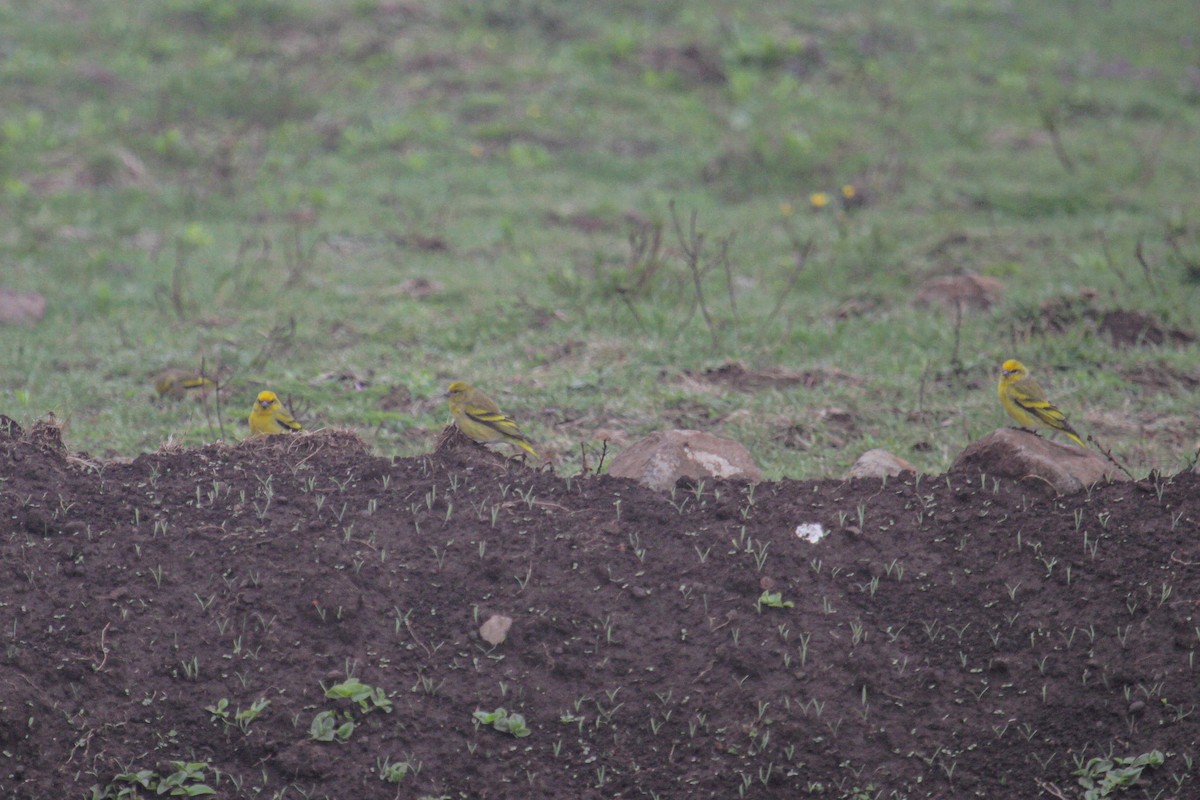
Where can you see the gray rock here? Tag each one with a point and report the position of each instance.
(662, 458)
(879, 463)
(1024, 456)
(495, 630)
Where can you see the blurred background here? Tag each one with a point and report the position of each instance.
(816, 228)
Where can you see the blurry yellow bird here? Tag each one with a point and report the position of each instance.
(1025, 401)
(269, 416)
(478, 416)
(174, 383)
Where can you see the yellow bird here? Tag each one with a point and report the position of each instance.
(1025, 401)
(175, 383)
(479, 418)
(268, 416)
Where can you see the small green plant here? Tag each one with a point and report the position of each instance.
(186, 781)
(240, 719)
(368, 697)
(1100, 777)
(325, 727)
(392, 772)
(504, 722)
(773, 600)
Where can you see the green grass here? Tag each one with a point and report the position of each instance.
(252, 185)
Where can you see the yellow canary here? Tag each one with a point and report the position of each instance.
(478, 416)
(269, 416)
(1025, 401)
(174, 383)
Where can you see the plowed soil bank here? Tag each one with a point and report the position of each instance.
(952, 636)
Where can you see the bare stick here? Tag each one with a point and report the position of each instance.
(1051, 125)
(1146, 270)
(1107, 453)
(802, 253)
(692, 245)
(958, 315)
(103, 648)
(603, 453)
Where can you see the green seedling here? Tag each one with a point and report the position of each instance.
(773, 600)
(391, 772)
(240, 719)
(1100, 777)
(325, 727)
(186, 781)
(504, 722)
(367, 697)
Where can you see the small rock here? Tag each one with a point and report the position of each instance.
(1024, 456)
(662, 458)
(495, 630)
(969, 292)
(811, 532)
(879, 463)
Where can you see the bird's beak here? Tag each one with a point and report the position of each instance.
(265, 404)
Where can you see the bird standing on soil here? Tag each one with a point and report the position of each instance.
(480, 419)
(1025, 401)
(268, 416)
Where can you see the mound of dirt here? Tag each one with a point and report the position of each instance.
(737, 376)
(294, 617)
(1133, 329)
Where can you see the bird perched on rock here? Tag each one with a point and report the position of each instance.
(1025, 401)
(479, 418)
(269, 416)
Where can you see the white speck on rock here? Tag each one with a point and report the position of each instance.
(718, 465)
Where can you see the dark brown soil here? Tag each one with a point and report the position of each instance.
(737, 376)
(1124, 328)
(1135, 329)
(952, 636)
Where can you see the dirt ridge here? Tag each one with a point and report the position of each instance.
(952, 636)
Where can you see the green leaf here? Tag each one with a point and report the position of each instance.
(774, 600)
(322, 726)
(490, 717)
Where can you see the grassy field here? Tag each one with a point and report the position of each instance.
(354, 204)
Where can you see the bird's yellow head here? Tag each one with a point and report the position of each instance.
(266, 400)
(458, 387)
(1013, 369)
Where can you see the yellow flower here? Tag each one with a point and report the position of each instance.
(848, 191)
(818, 200)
